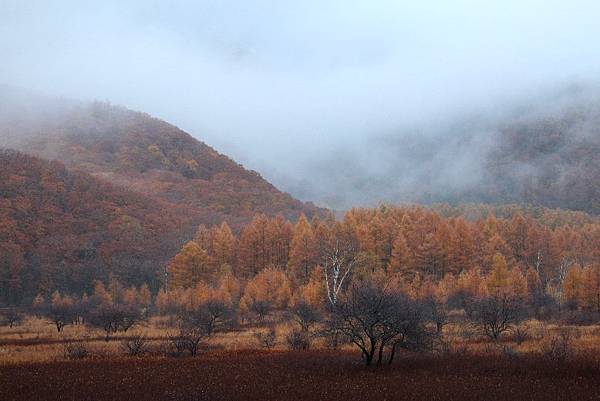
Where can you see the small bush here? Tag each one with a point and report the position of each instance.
(298, 340)
(449, 342)
(560, 347)
(75, 351)
(521, 335)
(173, 347)
(135, 346)
(180, 343)
(266, 340)
(510, 352)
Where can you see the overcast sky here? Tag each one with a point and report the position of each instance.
(279, 84)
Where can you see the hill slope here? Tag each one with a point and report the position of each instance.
(145, 154)
(62, 230)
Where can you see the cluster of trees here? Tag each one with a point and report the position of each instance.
(537, 256)
(555, 253)
(113, 308)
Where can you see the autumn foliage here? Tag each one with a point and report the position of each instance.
(536, 258)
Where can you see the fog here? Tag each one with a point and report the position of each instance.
(309, 92)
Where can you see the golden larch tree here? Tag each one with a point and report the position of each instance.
(190, 266)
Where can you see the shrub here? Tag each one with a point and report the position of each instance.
(521, 335)
(175, 346)
(560, 347)
(75, 351)
(266, 340)
(135, 346)
(510, 352)
(200, 324)
(298, 340)
(187, 339)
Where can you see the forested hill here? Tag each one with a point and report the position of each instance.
(62, 229)
(144, 154)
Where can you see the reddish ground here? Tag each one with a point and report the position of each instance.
(299, 376)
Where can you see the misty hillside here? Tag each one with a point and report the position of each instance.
(142, 153)
(61, 229)
(542, 151)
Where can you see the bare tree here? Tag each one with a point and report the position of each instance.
(211, 317)
(375, 317)
(200, 324)
(497, 314)
(11, 317)
(61, 313)
(261, 309)
(437, 312)
(305, 315)
(114, 318)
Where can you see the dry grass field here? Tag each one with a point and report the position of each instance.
(231, 366)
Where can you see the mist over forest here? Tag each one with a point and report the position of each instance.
(299, 200)
(539, 149)
(339, 104)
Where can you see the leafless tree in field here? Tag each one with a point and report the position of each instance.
(497, 314)
(60, 314)
(305, 315)
(376, 318)
(201, 323)
(114, 318)
(11, 317)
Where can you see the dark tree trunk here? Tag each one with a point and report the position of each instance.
(369, 356)
(392, 354)
(380, 356)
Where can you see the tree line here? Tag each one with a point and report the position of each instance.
(382, 279)
(538, 257)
